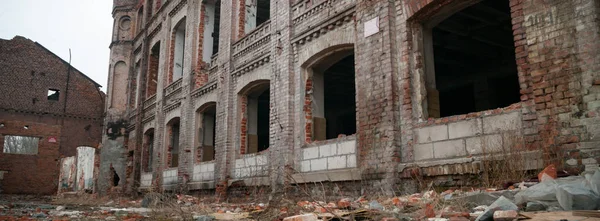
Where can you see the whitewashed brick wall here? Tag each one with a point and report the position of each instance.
(251, 165)
(204, 172)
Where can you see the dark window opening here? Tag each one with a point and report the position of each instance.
(217, 26)
(206, 123)
(263, 11)
(53, 94)
(258, 114)
(152, 80)
(149, 150)
(174, 143)
(263, 120)
(115, 177)
(339, 95)
(474, 66)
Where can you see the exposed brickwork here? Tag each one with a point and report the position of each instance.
(556, 44)
(28, 70)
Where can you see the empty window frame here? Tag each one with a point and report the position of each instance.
(53, 94)
(173, 148)
(21, 145)
(148, 150)
(470, 60)
(153, 64)
(331, 91)
(257, 12)
(212, 24)
(205, 132)
(255, 121)
(179, 51)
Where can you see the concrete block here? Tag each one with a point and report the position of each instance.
(433, 133)
(484, 144)
(450, 148)
(303, 217)
(239, 163)
(305, 166)
(327, 150)
(502, 122)
(262, 160)
(336, 162)
(347, 147)
(467, 128)
(507, 215)
(310, 153)
(318, 164)
(423, 151)
(351, 160)
(210, 167)
(250, 161)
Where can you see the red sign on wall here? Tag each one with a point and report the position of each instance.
(52, 139)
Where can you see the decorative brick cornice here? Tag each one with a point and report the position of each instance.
(171, 107)
(252, 65)
(207, 88)
(336, 22)
(177, 8)
(303, 13)
(137, 50)
(154, 32)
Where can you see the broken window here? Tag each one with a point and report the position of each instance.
(333, 96)
(153, 62)
(179, 47)
(205, 132)
(21, 145)
(148, 150)
(256, 128)
(257, 12)
(173, 127)
(212, 23)
(53, 94)
(470, 60)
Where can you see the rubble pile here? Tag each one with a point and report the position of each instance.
(550, 198)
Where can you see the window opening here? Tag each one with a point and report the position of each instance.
(21, 144)
(53, 94)
(257, 12)
(473, 66)
(153, 62)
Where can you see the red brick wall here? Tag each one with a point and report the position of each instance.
(169, 76)
(201, 76)
(31, 174)
(27, 71)
(243, 123)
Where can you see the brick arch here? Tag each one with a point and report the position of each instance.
(206, 105)
(253, 84)
(328, 56)
(315, 50)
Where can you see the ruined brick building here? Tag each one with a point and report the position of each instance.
(48, 109)
(204, 94)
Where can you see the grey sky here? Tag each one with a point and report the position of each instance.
(85, 26)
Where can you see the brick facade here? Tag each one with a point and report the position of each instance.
(28, 71)
(397, 132)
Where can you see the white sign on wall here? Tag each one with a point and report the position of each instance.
(371, 27)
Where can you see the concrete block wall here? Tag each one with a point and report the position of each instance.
(169, 176)
(251, 165)
(330, 156)
(204, 172)
(480, 135)
(146, 180)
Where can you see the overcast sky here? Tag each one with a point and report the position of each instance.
(84, 26)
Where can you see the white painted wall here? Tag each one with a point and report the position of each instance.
(170, 176)
(85, 167)
(251, 166)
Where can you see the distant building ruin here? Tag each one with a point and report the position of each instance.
(48, 111)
